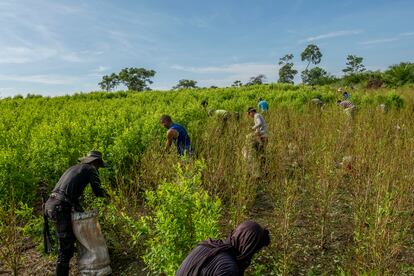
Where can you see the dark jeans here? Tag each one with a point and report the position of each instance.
(60, 213)
(66, 239)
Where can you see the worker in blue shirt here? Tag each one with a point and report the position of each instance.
(263, 105)
(176, 133)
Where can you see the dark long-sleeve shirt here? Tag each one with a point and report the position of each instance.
(73, 182)
(223, 264)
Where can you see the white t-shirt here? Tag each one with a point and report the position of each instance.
(260, 126)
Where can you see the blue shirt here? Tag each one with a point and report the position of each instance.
(182, 142)
(346, 95)
(263, 106)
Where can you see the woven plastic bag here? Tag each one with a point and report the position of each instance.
(93, 256)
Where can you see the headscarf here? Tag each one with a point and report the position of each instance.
(247, 239)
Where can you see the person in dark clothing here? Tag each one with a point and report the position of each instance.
(204, 104)
(226, 257)
(65, 198)
(176, 133)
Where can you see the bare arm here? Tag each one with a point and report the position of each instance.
(171, 134)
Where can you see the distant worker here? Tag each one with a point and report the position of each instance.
(65, 198)
(345, 95)
(219, 113)
(204, 104)
(317, 102)
(383, 108)
(177, 134)
(348, 107)
(231, 256)
(224, 114)
(262, 105)
(259, 128)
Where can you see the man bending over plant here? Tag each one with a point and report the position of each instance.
(176, 133)
(65, 199)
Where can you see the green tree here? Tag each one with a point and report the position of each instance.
(317, 76)
(286, 72)
(259, 79)
(186, 84)
(354, 65)
(311, 54)
(237, 83)
(109, 82)
(136, 79)
(399, 74)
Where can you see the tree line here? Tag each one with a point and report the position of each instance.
(355, 73)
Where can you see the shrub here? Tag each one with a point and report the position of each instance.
(399, 74)
(375, 80)
(182, 214)
(13, 221)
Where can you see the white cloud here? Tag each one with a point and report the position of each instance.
(72, 57)
(238, 68)
(330, 35)
(386, 40)
(98, 72)
(232, 72)
(19, 55)
(377, 41)
(41, 79)
(101, 69)
(23, 55)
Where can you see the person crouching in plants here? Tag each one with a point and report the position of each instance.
(176, 133)
(317, 103)
(259, 128)
(344, 93)
(348, 107)
(226, 257)
(65, 198)
(263, 105)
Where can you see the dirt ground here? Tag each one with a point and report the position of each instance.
(36, 264)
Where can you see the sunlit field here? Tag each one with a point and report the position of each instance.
(335, 192)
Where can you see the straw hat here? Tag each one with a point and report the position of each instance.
(92, 156)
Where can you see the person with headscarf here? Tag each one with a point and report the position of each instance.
(231, 256)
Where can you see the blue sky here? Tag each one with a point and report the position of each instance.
(54, 47)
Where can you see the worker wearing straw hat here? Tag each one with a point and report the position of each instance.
(65, 198)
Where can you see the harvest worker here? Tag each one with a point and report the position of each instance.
(263, 105)
(219, 113)
(260, 128)
(317, 102)
(345, 94)
(348, 107)
(65, 198)
(204, 104)
(177, 134)
(226, 257)
(383, 108)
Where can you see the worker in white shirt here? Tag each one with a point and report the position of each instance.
(260, 129)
